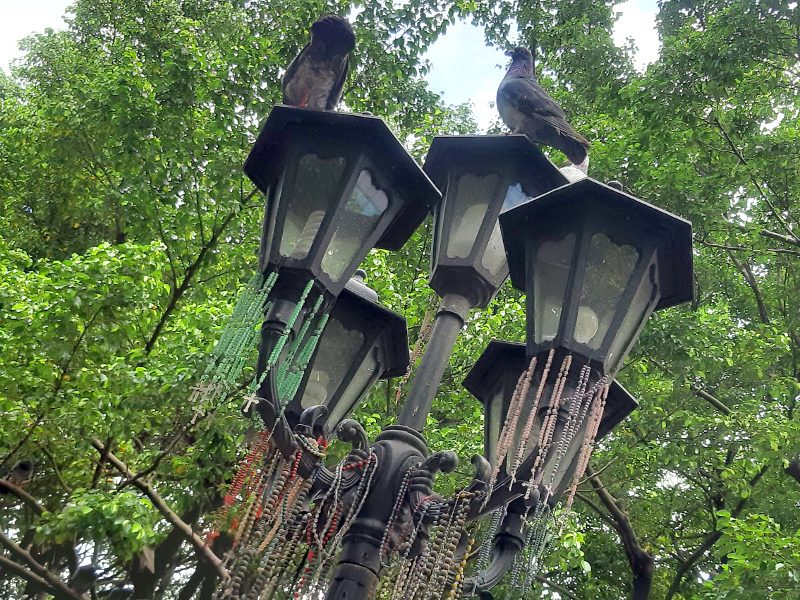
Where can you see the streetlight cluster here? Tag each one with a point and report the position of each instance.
(594, 264)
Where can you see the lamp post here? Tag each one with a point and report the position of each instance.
(594, 264)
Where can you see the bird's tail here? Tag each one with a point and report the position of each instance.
(575, 150)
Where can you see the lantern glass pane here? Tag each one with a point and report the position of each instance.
(642, 305)
(315, 187)
(358, 221)
(338, 347)
(366, 374)
(609, 267)
(515, 196)
(494, 258)
(551, 274)
(471, 201)
(495, 414)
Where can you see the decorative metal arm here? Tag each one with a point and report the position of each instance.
(508, 542)
(274, 421)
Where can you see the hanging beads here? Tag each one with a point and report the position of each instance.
(486, 544)
(588, 442)
(526, 433)
(387, 533)
(549, 424)
(509, 427)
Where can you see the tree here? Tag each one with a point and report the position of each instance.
(127, 227)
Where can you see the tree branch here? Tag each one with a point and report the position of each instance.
(641, 561)
(178, 292)
(56, 469)
(59, 589)
(780, 237)
(555, 587)
(744, 268)
(22, 442)
(724, 134)
(20, 571)
(29, 500)
(166, 511)
(718, 404)
(588, 502)
(709, 542)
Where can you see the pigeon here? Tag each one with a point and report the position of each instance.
(19, 475)
(526, 108)
(315, 78)
(83, 578)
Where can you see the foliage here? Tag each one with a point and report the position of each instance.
(126, 228)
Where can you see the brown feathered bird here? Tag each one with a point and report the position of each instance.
(315, 78)
(526, 108)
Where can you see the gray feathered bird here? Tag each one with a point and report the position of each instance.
(19, 475)
(315, 78)
(526, 108)
(83, 578)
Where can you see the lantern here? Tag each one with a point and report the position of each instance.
(479, 176)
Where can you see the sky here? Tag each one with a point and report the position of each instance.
(486, 64)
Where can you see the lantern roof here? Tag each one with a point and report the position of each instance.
(564, 203)
(447, 150)
(287, 123)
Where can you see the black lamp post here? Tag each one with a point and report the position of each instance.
(479, 176)
(337, 185)
(594, 263)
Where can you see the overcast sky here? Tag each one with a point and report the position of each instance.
(21, 17)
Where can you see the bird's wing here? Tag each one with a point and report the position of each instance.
(527, 96)
(291, 70)
(336, 90)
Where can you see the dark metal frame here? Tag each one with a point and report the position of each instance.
(402, 447)
(385, 335)
(586, 208)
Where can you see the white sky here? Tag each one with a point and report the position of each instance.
(477, 81)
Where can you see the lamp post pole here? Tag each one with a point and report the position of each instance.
(450, 319)
(400, 449)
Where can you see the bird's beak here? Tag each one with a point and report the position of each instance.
(509, 53)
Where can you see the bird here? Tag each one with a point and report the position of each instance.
(83, 578)
(19, 475)
(315, 78)
(526, 108)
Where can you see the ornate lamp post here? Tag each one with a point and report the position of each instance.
(594, 264)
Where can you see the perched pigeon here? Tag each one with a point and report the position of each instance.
(83, 578)
(315, 78)
(526, 108)
(19, 475)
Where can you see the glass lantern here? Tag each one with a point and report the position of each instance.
(480, 175)
(361, 343)
(493, 379)
(337, 185)
(594, 263)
